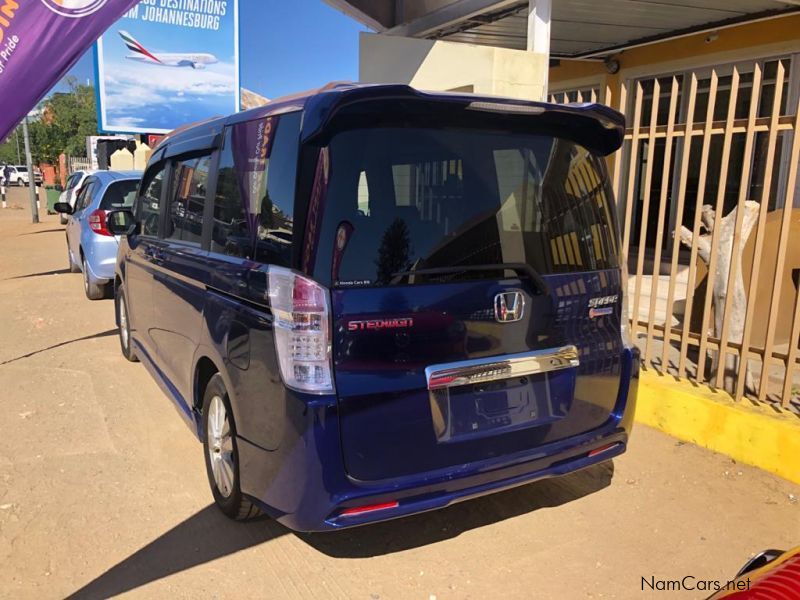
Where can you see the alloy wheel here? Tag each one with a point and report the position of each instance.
(85, 276)
(220, 446)
(123, 323)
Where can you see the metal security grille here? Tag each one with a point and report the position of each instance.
(78, 163)
(586, 94)
(709, 167)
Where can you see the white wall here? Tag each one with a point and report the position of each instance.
(438, 65)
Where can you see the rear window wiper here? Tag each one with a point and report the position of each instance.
(523, 268)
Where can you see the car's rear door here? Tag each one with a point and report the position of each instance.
(144, 253)
(475, 292)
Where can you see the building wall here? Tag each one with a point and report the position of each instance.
(777, 37)
(754, 40)
(438, 65)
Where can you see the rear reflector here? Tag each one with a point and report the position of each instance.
(602, 449)
(360, 510)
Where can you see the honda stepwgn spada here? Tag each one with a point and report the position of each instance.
(372, 301)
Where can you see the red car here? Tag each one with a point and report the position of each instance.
(773, 574)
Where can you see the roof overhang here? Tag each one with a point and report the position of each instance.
(579, 28)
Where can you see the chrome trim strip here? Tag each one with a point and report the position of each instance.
(480, 370)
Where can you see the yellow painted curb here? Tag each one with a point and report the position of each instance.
(756, 435)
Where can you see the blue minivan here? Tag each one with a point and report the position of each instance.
(370, 301)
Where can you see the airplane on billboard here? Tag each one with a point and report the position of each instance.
(166, 59)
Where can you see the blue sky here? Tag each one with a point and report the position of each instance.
(286, 46)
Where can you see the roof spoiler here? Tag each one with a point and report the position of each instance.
(596, 127)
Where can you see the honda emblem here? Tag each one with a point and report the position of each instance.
(509, 307)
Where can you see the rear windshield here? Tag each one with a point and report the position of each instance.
(406, 200)
(120, 194)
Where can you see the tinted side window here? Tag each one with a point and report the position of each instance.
(275, 227)
(254, 201)
(230, 234)
(88, 192)
(150, 200)
(80, 197)
(187, 198)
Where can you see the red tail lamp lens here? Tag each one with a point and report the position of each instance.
(97, 223)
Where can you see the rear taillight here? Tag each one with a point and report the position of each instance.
(97, 223)
(301, 309)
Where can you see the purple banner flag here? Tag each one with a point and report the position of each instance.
(40, 40)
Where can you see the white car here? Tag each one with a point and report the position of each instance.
(70, 193)
(19, 175)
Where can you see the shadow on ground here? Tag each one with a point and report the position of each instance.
(60, 229)
(203, 537)
(42, 274)
(187, 545)
(102, 334)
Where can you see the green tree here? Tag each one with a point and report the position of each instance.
(8, 149)
(66, 119)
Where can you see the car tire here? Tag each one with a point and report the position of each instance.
(20, 183)
(94, 291)
(124, 325)
(73, 268)
(222, 453)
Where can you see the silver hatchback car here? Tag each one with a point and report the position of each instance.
(91, 248)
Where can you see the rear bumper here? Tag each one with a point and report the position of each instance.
(303, 483)
(101, 256)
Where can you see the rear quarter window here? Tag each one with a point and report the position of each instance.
(255, 195)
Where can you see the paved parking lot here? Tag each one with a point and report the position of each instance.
(103, 490)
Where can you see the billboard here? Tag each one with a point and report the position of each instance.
(167, 63)
(39, 42)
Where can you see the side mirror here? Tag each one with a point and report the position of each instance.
(121, 222)
(64, 208)
(759, 560)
